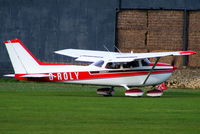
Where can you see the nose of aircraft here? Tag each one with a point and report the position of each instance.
(166, 65)
(174, 68)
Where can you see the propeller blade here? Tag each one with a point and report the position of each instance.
(174, 60)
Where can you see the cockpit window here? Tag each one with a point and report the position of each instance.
(99, 63)
(113, 65)
(145, 62)
(118, 65)
(131, 64)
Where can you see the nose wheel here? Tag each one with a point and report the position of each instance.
(154, 93)
(157, 90)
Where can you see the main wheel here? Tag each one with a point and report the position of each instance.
(134, 92)
(105, 91)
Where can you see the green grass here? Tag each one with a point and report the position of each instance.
(45, 108)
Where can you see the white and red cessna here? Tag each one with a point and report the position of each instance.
(107, 68)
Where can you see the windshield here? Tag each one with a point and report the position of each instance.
(99, 63)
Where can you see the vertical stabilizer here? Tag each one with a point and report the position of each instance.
(22, 60)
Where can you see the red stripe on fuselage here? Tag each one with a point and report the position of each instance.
(71, 76)
(160, 64)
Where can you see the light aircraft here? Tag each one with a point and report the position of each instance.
(107, 68)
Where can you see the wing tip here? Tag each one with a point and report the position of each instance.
(187, 52)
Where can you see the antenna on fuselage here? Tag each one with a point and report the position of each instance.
(106, 48)
(117, 49)
(109, 53)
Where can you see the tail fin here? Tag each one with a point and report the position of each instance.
(22, 59)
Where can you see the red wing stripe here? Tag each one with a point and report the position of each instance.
(187, 52)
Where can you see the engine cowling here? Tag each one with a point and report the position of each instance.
(134, 92)
(154, 93)
(105, 91)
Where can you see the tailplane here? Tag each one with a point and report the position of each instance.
(21, 58)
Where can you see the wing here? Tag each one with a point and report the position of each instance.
(92, 56)
(86, 55)
(135, 56)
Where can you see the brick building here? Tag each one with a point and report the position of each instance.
(159, 30)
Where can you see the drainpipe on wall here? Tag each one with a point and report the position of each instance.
(185, 35)
(118, 9)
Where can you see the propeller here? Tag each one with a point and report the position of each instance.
(174, 60)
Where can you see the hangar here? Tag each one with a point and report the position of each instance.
(139, 26)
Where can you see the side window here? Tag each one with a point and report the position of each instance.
(126, 65)
(112, 65)
(131, 64)
(134, 63)
(144, 62)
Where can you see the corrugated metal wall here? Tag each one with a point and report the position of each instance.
(161, 4)
(48, 25)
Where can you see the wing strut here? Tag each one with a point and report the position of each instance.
(157, 59)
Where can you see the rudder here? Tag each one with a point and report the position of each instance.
(21, 58)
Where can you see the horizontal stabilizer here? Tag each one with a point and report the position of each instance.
(35, 75)
(9, 75)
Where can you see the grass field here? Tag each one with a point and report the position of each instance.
(45, 108)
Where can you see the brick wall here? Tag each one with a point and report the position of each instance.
(194, 37)
(165, 30)
(157, 30)
(132, 27)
